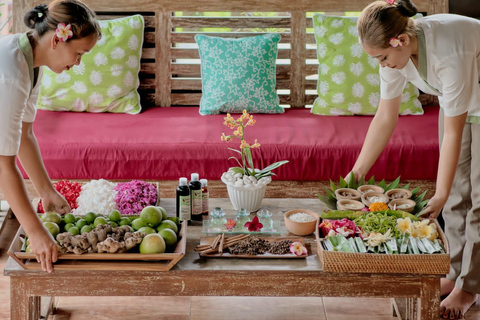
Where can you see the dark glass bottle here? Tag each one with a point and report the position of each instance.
(183, 201)
(195, 197)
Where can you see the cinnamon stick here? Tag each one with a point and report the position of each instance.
(220, 247)
(215, 242)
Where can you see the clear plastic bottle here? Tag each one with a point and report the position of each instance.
(183, 200)
(205, 196)
(195, 197)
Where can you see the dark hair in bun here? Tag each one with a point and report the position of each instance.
(407, 8)
(43, 18)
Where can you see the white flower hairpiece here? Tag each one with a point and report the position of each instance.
(395, 42)
(64, 32)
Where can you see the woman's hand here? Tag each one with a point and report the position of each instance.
(44, 247)
(434, 207)
(54, 201)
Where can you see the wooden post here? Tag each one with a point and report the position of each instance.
(438, 6)
(163, 82)
(429, 301)
(19, 9)
(19, 299)
(297, 64)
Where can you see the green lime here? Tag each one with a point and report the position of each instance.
(81, 223)
(168, 224)
(151, 216)
(125, 222)
(164, 213)
(169, 236)
(68, 226)
(69, 218)
(52, 227)
(90, 217)
(132, 218)
(175, 219)
(99, 220)
(115, 216)
(51, 217)
(77, 218)
(86, 229)
(74, 230)
(113, 224)
(147, 230)
(138, 223)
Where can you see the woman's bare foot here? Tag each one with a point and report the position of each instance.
(456, 304)
(446, 286)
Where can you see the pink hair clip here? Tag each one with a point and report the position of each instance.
(64, 32)
(395, 42)
(390, 1)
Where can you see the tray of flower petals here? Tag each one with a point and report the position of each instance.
(384, 241)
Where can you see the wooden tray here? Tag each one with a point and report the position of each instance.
(347, 262)
(104, 261)
(209, 240)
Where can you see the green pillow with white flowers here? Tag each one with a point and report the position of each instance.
(348, 78)
(106, 80)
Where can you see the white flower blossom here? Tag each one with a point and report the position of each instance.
(358, 90)
(61, 94)
(100, 59)
(323, 87)
(133, 42)
(373, 79)
(96, 99)
(356, 68)
(79, 87)
(321, 103)
(46, 101)
(355, 108)
(134, 23)
(323, 68)
(95, 77)
(337, 112)
(117, 31)
(129, 108)
(46, 81)
(337, 23)
(374, 99)
(114, 91)
(78, 105)
(338, 98)
(338, 77)
(373, 62)
(116, 70)
(132, 62)
(320, 31)
(62, 77)
(336, 38)
(405, 96)
(338, 60)
(80, 69)
(102, 41)
(406, 112)
(353, 31)
(321, 50)
(128, 81)
(356, 50)
(130, 95)
(117, 53)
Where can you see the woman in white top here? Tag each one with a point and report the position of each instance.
(62, 32)
(440, 54)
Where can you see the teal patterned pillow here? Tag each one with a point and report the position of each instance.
(239, 74)
(348, 78)
(106, 80)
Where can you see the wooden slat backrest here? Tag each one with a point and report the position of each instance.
(170, 70)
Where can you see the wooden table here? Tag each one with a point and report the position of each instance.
(193, 276)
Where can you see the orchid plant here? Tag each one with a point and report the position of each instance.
(246, 166)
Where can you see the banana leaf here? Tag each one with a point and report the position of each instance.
(342, 183)
(330, 203)
(333, 186)
(394, 184)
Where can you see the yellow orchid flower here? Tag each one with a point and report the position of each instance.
(256, 144)
(225, 138)
(244, 144)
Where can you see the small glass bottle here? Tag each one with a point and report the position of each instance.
(195, 197)
(205, 196)
(241, 219)
(265, 218)
(183, 200)
(217, 220)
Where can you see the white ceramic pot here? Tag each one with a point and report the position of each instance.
(246, 194)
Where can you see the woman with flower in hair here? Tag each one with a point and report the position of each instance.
(61, 33)
(439, 54)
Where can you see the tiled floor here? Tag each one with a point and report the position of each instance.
(204, 308)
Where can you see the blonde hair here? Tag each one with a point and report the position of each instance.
(43, 18)
(380, 21)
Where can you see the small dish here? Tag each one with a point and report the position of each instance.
(347, 193)
(370, 188)
(350, 205)
(369, 197)
(399, 194)
(402, 204)
(301, 228)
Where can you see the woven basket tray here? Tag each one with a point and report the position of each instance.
(335, 261)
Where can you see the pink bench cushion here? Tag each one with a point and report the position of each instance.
(168, 143)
